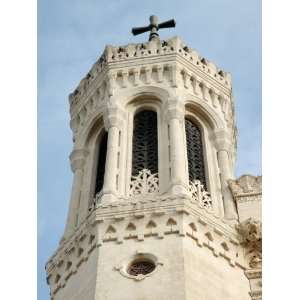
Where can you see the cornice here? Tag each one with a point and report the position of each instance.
(77, 102)
(188, 57)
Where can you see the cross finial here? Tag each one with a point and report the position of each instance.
(153, 27)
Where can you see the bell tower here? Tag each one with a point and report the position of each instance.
(155, 211)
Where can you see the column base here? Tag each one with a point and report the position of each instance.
(108, 198)
(178, 189)
(229, 206)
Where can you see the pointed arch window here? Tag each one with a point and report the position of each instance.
(144, 148)
(101, 163)
(195, 154)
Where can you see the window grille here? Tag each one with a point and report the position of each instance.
(195, 152)
(144, 148)
(101, 163)
(141, 267)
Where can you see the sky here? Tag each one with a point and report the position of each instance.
(72, 35)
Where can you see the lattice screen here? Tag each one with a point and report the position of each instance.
(195, 152)
(144, 148)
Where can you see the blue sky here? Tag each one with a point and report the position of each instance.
(72, 35)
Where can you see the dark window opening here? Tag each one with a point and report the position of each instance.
(144, 148)
(195, 152)
(101, 163)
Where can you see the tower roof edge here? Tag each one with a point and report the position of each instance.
(150, 49)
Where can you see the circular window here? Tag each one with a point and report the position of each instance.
(141, 267)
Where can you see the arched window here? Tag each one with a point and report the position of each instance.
(101, 163)
(195, 152)
(144, 148)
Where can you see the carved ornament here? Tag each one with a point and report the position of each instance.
(251, 234)
(246, 184)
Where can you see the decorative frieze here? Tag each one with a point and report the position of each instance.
(141, 220)
(109, 74)
(255, 279)
(163, 47)
(156, 75)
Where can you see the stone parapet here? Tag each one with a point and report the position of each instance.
(152, 49)
(247, 192)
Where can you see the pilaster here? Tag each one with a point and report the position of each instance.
(77, 160)
(113, 121)
(223, 146)
(175, 113)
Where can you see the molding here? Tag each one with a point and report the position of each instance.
(255, 279)
(246, 185)
(153, 217)
(129, 66)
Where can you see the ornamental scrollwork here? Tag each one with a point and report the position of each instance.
(144, 183)
(199, 194)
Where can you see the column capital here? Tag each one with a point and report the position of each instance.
(175, 109)
(222, 140)
(114, 117)
(77, 158)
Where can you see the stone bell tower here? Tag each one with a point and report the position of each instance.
(155, 211)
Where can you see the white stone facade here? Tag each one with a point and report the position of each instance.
(193, 237)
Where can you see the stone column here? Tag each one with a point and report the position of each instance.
(223, 149)
(77, 159)
(113, 121)
(175, 118)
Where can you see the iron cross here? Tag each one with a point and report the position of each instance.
(153, 27)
